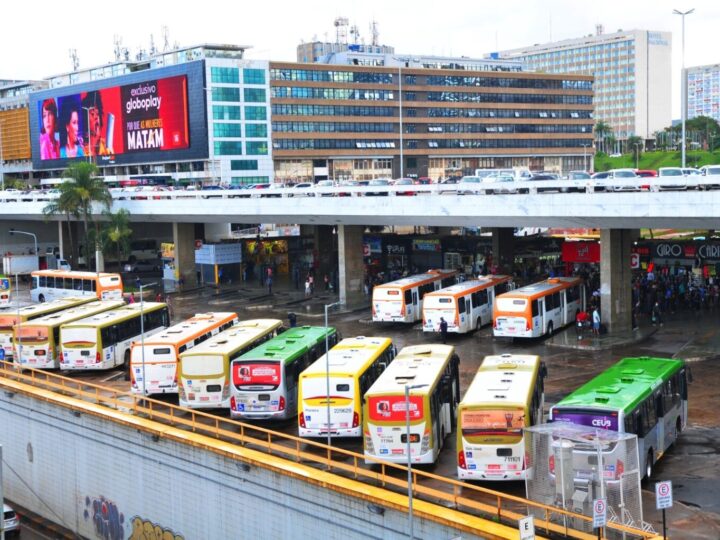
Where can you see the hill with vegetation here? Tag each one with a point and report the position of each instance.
(655, 160)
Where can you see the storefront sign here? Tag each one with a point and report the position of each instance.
(581, 252)
(426, 245)
(394, 249)
(371, 245)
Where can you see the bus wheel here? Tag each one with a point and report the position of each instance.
(649, 465)
(126, 365)
(550, 329)
(41, 298)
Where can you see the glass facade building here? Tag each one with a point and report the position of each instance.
(703, 91)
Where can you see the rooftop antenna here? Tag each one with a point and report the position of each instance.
(153, 49)
(355, 33)
(599, 29)
(74, 58)
(166, 38)
(117, 47)
(341, 27)
(375, 33)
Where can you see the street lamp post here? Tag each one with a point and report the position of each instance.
(683, 98)
(15, 231)
(327, 367)
(409, 458)
(585, 156)
(142, 332)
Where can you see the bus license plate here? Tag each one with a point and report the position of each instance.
(493, 467)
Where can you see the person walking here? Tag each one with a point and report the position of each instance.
(596, 321)
(308, 290)
(311, 279)
(656, 314)
(580, 321)
(269, 283)
(443, 329)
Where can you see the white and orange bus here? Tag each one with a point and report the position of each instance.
(402, 300)
(538, 309)
(53, 284)
(154, 361)
(466, 306)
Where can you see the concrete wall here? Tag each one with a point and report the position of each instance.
(65, 466)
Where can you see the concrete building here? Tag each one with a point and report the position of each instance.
(632, 70)
(703, 91)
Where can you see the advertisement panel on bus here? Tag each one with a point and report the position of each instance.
(125, 122)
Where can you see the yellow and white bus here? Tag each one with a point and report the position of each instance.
(36, 343)
(538, 309)
(103, 341)
(205, 369)
(53, 284)
(402, 300)
(28, 313)
(154, 363)
(506, 396)
(5, 288)
(432, 373)
(355, 364)
(465, 307)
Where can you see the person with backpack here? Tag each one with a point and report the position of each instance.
(443, 329)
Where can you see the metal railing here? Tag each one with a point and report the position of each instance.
(483, 502)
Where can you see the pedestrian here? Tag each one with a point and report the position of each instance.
(138, 282)
(311, 279)
(131, 298)
(596, 321)
(326, 280)
(158, 297)
(308, 291)
(269, 284)
(292, 319)
(656, 314)
(220, 276)
(443, 329)
(580, 321)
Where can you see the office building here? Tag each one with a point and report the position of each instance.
(632, 70)
(703, 91)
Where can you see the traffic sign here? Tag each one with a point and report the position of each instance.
(599, 513)
(663, 495)
(634, 261)
(527, 528)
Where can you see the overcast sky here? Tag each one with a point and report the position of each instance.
(37, 35)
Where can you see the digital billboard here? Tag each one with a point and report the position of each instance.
(136, 120)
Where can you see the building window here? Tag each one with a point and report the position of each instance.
(256, 148)
(226, 112)
(244, 165)
(254, 95)
(224, 75)
(254, 112)
(246, 180)
(253, 76)
(225, 94)
(228, 148)
(226, 130)
(255, 130)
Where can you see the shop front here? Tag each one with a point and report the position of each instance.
(426, 254)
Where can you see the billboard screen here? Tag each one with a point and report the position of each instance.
(133, 122)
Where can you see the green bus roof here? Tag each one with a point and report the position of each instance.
(624, 385)
(289, 345)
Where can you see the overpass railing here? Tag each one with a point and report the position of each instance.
(446, 492)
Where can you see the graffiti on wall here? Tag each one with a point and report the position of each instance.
(143, 529)
(106, 518)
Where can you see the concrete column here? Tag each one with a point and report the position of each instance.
(325, 248)
(350, 264)
(61, 240)
(216, 232)
(503, 249)
(616, 278)
(184, 239)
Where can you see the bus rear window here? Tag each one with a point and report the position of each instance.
(7, 322)
(164, 350)
(599, 419)
(32, 333)
(392, 408)
(263, 373)
(483, 422)
(511, 305)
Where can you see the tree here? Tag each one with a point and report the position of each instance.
(117, 231)
(602, 132)
(635, 145)
(65, 204)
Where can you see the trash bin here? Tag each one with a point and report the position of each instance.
(292, 318)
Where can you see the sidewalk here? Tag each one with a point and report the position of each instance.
(569, 339)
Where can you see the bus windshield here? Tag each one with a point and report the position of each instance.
(32, 333)
(202, 365)
(511, 305)
(79, 337)
(8, 321)
(597, 419)
(484, 422)
(256, 372)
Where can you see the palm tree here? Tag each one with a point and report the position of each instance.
(117, 231)
(602, 131)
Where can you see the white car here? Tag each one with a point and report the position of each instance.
(11, 521)
(499, 183)
(672, 178)
(622, 180)
(470, 185)
(710, 170)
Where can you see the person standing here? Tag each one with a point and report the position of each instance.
(311, 279)
(443, 329)
(596, 321)
(307, 287)
(657, 314)
(269, 283)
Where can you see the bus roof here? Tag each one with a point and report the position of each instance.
(113, 316)
(350, 356)
(418, 279)
(623, 385)
(288, 345)
(184, 331)
(73, 273)
(236, 338)
(459, 289)
(415, 365)
(38, 310)
(543, 287)
(502, 380)
(74, 313)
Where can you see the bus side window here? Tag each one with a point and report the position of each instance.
(535, 308)
(631, 422)
(35, 280)
(408, 297)
(461, 305)
(93, 285)
(483, 295)
(43, 281)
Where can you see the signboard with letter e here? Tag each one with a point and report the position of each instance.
(527, 528)
(599, 513)
(663, 495)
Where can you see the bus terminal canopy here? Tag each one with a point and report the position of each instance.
(579, 434)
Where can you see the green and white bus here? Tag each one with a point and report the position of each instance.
(104, 340)
(264, 381)
(644, 396)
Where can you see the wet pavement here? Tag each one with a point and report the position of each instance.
(693, 464)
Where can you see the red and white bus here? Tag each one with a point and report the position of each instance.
(402, 300)
(538, 309)
(465, 307)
